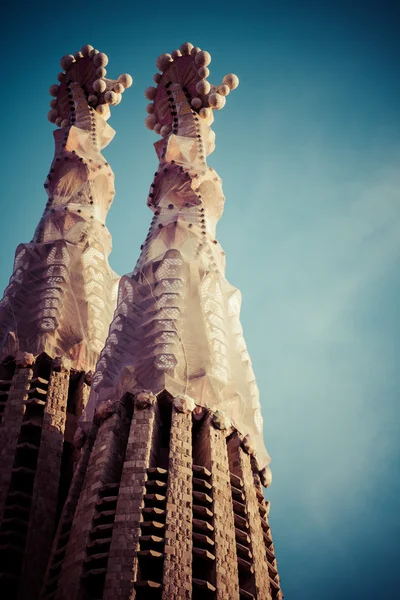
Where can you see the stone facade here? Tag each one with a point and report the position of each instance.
(164, 504)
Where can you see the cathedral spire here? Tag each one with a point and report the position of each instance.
(177, 327)
(55, 301)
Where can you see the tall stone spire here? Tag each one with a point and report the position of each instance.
(166, 502)
(55, 301)
(177, 327)
(54, 319)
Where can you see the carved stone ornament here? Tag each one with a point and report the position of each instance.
(144, 399)
(221, 420)
(248, 445)
(104, 410)
(266, 477)
(24, 359)
(61, 363)
(184, 404)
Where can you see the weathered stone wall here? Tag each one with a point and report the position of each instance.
(177, 576)
(42, 521)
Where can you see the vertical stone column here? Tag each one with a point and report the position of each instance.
(10, 429)
(45, 490)
(177, 575)
(69, 508)
(122, 563)
(259, 560)
(103, 468)
(227, 578)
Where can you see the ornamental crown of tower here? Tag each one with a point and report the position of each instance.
(133, 460)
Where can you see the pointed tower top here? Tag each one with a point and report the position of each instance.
(86, 68)
(187, 67)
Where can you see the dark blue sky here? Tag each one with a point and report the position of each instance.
(308, 147)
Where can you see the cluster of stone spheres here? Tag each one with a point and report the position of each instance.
(131, 444)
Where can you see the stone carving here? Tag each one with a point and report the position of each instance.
(221, 420)
(184, 404)
(266, 476)
(144, 399)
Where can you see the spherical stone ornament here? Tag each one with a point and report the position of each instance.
(64, 123)
(176, 54)
(203, 58)
(165, 130)
(93, 52)
(126, 80)
(54, 89)
(223, 90)
(52, 115)
(100, 59)
(53, 103)
(150, 121)
(118, 88)
(231, 80)
(101, 72)
(184, 404)
(195, 50)
(59, 120)
(86, 49)
(102, 109)
(150, 108)
(205, 113)
(163, 61)
(61, 77)
(144, 399)
(203, 87)
(221, 420)
(266, 477)
(196, 103)
(157, 128)
(92, 99)
(157, 77)
(99, 86)
(150, 92)
(216, 101)
(24, 359)
(78, 55)
(186, 48)
(66, 61)
(203, 72)
(110, 97)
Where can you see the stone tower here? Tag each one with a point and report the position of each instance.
(166, 501)
(54, 319)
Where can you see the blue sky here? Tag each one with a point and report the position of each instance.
(308, 147)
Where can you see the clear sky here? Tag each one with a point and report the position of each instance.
(308, 147)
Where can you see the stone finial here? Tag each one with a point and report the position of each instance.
(89, 377)
(24, 359)
(61, 363)
(221, 420)
(144, 399)
(104, 410)
(266, 477)
(248, 445)
(184, 404)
